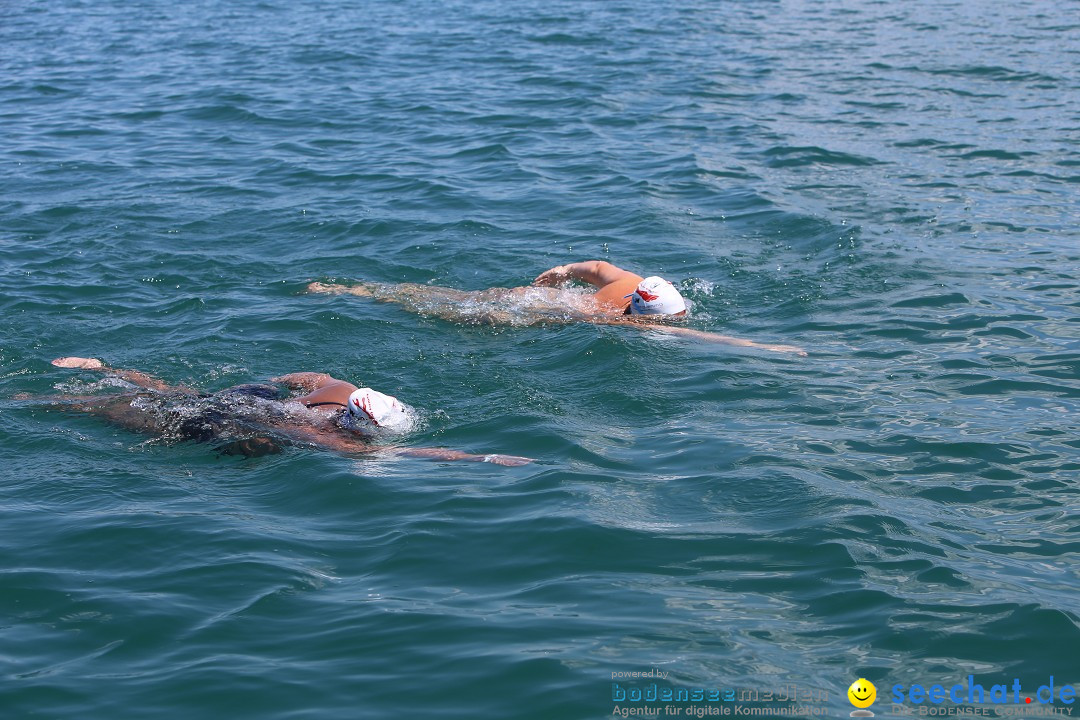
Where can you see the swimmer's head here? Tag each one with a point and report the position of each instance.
(372, 409)
(656, 296)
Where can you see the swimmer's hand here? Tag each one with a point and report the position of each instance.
(79, 363)
(555, 276)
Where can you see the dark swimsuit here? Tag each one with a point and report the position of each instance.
(225, 418)
(231, 412)
(240, 420)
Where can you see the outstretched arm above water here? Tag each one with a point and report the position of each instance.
(132, 376)
(594, 272)
(306, 381)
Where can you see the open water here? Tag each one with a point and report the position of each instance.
(893, 186)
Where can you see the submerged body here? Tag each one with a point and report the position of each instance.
(616, 297)
(520, 306)
(249, 420)
(260, 418)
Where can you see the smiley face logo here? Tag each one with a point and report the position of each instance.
(862, 693)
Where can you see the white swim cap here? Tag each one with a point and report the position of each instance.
(369, 407)
(656, 296)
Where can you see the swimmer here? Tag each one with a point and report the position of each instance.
(620, 298)
(258, 419)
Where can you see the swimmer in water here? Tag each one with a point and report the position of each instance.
(258, 419)
(621, 298)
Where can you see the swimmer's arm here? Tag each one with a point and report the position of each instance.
(728, 340)
(705, 336)
(347, 445)
(132, 376)
(593, 272)
(306, 381)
